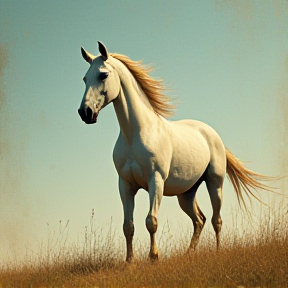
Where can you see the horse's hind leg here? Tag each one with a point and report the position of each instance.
(188, 203)
(214, 185)
(202, 216)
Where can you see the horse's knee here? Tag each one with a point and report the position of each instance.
(203, 218)
(151, 224)
(217, 224)
(198, 226)
(128, 229)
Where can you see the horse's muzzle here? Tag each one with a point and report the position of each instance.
(88, 116)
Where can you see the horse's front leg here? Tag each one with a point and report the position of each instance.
(155, 189)
(127, 194)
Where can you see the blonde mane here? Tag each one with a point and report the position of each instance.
(152, 88)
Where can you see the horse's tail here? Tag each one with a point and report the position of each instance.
(245, 180)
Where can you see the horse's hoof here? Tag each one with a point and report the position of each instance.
(153, 257)
(129, 260)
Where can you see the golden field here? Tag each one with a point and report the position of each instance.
(254, 258)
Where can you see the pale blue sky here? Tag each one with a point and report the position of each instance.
(226, 61)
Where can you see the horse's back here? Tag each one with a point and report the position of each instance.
(194, 129)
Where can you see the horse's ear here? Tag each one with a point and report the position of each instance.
(103, 50)
(87, 56)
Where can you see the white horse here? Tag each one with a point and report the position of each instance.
(169, 158)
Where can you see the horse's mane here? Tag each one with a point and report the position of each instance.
(152, 88)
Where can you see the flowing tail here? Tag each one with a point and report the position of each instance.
(245, 180)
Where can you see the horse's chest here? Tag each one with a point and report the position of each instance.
(132, 172)
(128, 166)
(135, 163)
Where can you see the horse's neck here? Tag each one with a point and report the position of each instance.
(133, 109)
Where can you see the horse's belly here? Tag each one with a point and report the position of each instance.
(178, 185)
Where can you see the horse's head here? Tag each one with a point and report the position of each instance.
(102, 85)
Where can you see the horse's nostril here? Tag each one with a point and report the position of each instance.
(89, 113)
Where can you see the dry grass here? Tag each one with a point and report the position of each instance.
(251, 259)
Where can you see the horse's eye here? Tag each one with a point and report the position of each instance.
(103, 75)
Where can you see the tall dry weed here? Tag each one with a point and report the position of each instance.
(257, 257)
